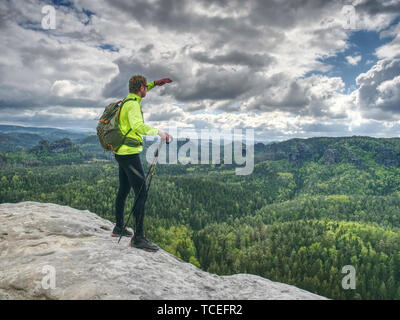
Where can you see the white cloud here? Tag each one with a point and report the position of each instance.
(379, 94)
(70, 88)
(389, 94)
(250, 70)
(353, 60)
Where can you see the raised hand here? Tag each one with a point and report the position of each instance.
(163, 81)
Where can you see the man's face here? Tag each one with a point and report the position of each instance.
(143, 90)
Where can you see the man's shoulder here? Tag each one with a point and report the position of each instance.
(131, 102)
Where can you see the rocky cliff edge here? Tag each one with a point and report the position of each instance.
(48, 251)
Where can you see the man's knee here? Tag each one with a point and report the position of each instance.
(143, 192)
(141, 189)
(123, 193)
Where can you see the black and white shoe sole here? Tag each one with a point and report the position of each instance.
(148, 250)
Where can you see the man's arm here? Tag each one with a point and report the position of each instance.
(151, 85)
(142, 127)
(160, 83)
(136, 120)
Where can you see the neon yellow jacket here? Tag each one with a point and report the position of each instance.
(132, 117)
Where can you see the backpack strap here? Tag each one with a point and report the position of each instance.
(120, 108)
(130, 129)
(123, 102)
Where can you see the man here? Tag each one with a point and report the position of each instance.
(131, 173)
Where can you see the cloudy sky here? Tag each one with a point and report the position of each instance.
(297, 68)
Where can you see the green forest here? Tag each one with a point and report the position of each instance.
(310, 207)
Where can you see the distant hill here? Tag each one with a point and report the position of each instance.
(17, 138)
(92, 139)
(60, 146)
(50, 134)
(58, 152)
(357, 150)
(18, 141)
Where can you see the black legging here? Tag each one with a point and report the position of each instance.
(131, 174)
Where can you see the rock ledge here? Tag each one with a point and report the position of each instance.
(39, 238)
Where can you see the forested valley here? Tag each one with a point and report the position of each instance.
(310, 207)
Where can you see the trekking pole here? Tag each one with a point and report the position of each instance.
(152, 169)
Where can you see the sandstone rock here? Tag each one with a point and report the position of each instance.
(354, 159)
(331, 156)
(61, 145)
(300, 152)
(387, 157)
(40, 240)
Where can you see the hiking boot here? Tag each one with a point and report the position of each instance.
(118, 230)
(143, 243)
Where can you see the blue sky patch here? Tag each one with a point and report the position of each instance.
(65, 3)
(362, 47)
(87, 12)
(108, 47)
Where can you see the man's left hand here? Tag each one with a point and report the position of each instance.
(163, 81)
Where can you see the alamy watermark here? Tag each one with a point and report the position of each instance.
(349, 16)
(349, 281)
(49, 20)
(215, 146)
(49, 279)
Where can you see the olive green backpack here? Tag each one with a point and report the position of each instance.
(108, 132)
